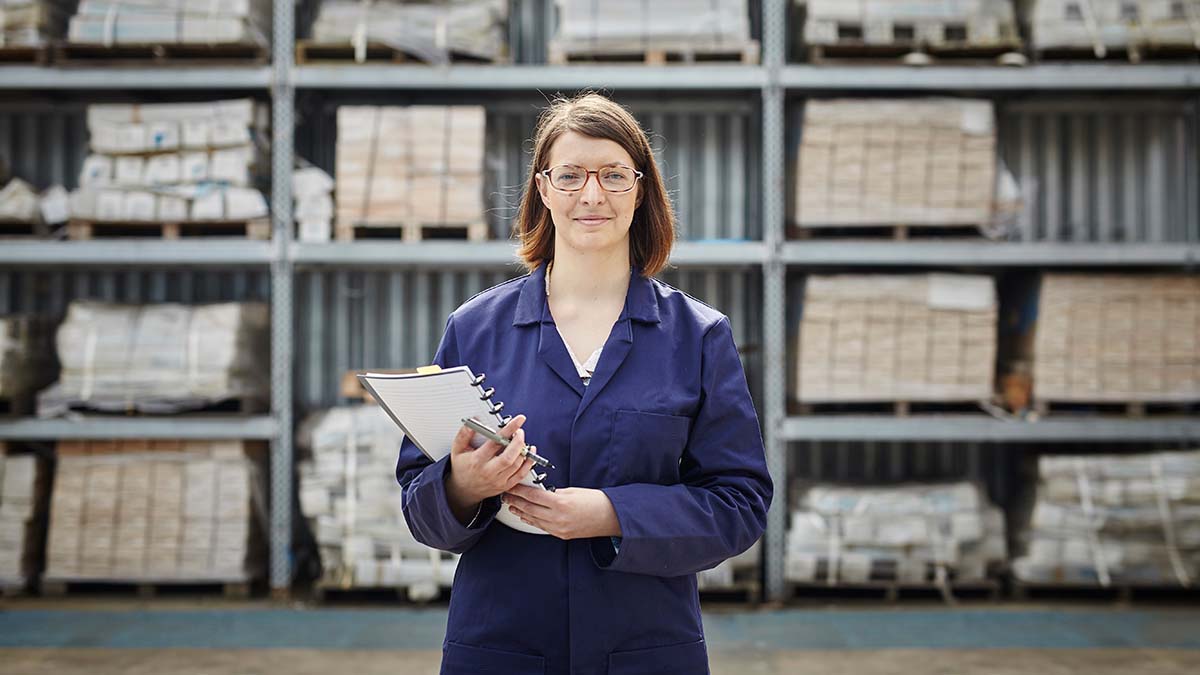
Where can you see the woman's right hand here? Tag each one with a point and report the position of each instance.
(490, 469)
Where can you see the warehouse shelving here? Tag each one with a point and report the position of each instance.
(768, 86)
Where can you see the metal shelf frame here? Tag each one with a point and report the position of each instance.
(774, 81)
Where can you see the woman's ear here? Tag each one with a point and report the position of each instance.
(542, 189)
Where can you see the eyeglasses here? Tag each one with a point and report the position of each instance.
(572, 178)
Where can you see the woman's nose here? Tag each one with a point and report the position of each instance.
(592, 193)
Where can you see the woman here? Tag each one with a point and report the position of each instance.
(659, 458)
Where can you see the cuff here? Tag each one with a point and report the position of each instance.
(485, 513)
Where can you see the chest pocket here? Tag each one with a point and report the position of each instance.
(646, 447)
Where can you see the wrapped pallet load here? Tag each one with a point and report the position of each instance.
(653, 31)
(921, 162)
(24, 486)
(1103, 26)
(32, 23)
(433, 31)
(919, 337)
(158, 511)
(349, 497)
(27, 362)
(165, 22)
(160, 358)
(933, 25)
(1120, 520)
(312, 194)
(918, 534)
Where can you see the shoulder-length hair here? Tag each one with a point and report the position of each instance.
(652, 232)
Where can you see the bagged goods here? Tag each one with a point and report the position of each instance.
(24, 482)
(934, 23)
(201, 22)
(728, 574)
(619, 25)
(159, 358)
(432, 31)
(31, 23)
(312, 192)
(1103, 25)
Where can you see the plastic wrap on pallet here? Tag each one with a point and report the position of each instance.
(595, 25)
(32, 23)
(27, 360)
(933, 23)
(199, 22)
(24, 486)
(349, 497)
(1114, 520)
(419, 165)
(158, 511)
(431, 31)
(1118, 25)
(312, 194)
(896, 161)
(909, 534)
(159, 358)
(920, 337)
(1116, 337)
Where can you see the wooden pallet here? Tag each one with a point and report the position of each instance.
(1132, 409)
(60, 587)
(742, 592)
(474, 232)
(911, 41)
(891, 408)
(1123, 593)
(1131, 54)
(990, 589)
(326, 593)
(258, 228)
(121, 406)
(23, 230)
(563, 53)
(36, 55)
(17, 406)
(84, 54)
(885, 232)
(913, 54)
(310, 52)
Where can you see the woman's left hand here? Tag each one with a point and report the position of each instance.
(568, 513)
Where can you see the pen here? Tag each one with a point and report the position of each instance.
(530, 451)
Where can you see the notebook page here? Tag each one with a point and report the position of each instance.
(429, 407)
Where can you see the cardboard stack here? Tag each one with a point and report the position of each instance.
(1120, 338)
(200, 22)
(896, 162)
(183, 511)
(419, 165)
(432, 31)
(173, 162)
(1114, 519)
(159, 358)
(1102, 25)
(983, 24)
(31, 23)
(312, 192)
(910, 534)
(624, 26)
(350, 498)
(920, 337)
(24, 484)
(26, 357)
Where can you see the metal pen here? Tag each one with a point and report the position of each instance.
(529, 452)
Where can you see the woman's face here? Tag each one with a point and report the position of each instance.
(589, 219)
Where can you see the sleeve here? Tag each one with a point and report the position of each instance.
(719, 507)
(423, 484)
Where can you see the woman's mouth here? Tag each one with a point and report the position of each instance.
(592, 221)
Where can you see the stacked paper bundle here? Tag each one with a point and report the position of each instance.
(31, 23)
(1101, 25)
(1108, 337)
(935, 23)
(349, 496)
(419, 165)
(191, 511)
(731, 573)
(20, 203)
(159, 358)
(910, 534)
(921, 337)
(1114, 519)
(892, 161)
(312, 192)
(431, 31)
(26, 358)
(203, 22)
(24, 482)
(620, 26)
(173, 162)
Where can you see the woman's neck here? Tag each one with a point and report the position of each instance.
(583, 279)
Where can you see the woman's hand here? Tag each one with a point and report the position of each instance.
(569, 513)
(486, 471)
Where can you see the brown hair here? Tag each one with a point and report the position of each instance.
(652, 232)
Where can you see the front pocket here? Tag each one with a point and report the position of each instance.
(686, 659)
(460, 659)
(646, 447)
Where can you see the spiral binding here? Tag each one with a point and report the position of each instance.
(538, 478)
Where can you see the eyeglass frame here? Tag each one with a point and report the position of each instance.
(588, 176)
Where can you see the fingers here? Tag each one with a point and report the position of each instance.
(462, 440)
(510, 459)
(518, 475)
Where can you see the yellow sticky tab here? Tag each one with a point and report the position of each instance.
(425, 370)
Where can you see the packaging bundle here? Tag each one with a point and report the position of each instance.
(201, 22)
(1121, 338)
(20, 203)
(431, 31)
(730, 574)
(909, 534)
(312, 193)
(415, 165)
(173, 162)
(1114, 519)
(31, 23)
(349, 496)
(896, 161)
(918, 337)
(625, 26)
(1101, 25)
(980, 24)
(159, 358)
(24, 484)
(190, 511)
(26, 357)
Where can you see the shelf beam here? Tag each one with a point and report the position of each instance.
(1043, 77)
(982, 428)
(104, 78)
(983, 253)
(529, 78)
(101, 252)
(191, 427)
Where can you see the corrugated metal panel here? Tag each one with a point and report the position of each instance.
(48, 292)
(1104, 171)
(42, 143)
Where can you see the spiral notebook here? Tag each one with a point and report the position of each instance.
(429, 407)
